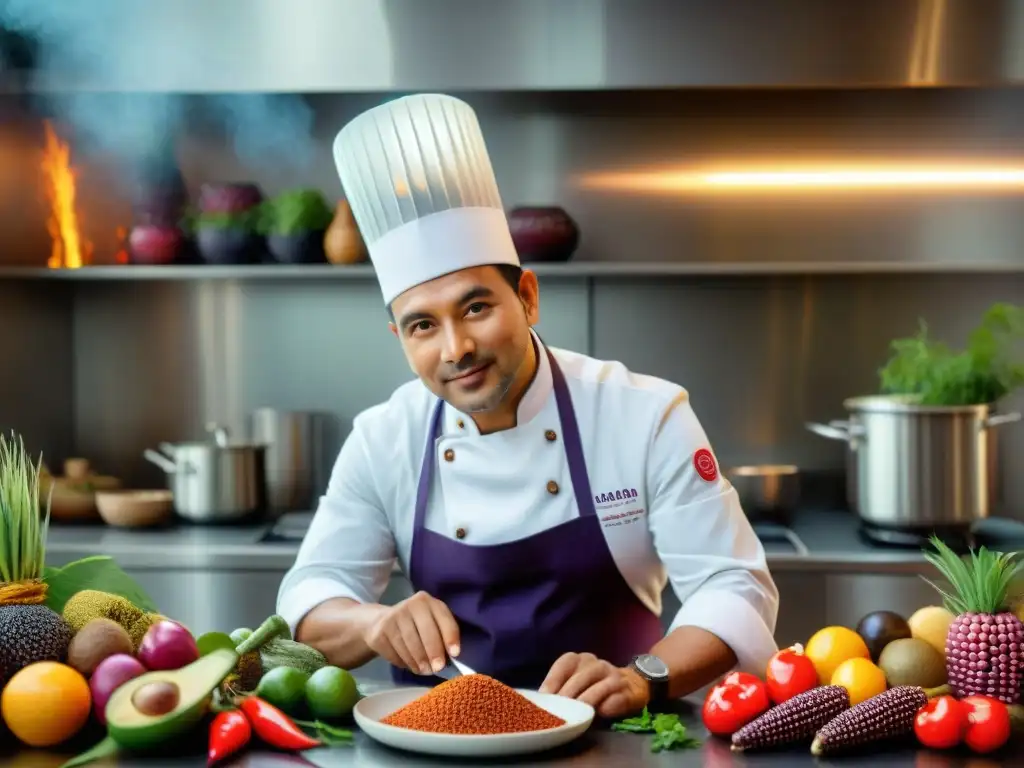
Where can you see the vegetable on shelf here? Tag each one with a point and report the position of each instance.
(988, 369)
(669, 732)
(230, 731)
(734, 702)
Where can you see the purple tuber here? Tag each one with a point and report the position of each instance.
(167, 646)
(109, 675)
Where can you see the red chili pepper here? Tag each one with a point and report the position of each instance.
(229, 732)
(275, 727)
(790, 673)
(733, 703)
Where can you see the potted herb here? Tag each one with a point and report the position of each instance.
(923, 452)
(226, 225)
(294, 224)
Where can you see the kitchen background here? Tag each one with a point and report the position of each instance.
(770, 308)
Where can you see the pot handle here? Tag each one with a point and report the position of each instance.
(998, 421)
(837, 430)
(161, 461)
(220, 434)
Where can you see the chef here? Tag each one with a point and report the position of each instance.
(538, 500)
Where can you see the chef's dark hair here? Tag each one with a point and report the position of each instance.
(510, 272)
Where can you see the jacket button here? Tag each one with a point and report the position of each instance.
(460, 533)
(449, 455)
(550, 436)
(552, 487)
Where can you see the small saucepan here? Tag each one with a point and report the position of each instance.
(768, 492)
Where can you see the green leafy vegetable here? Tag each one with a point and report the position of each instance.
(101, 573)
(295, 211)
(669, 732)
(328, 734)
(991, 366)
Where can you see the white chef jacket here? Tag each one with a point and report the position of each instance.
(661, 519)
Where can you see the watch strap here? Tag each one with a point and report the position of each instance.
(658, 685)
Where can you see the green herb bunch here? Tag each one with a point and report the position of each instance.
(23, 529)
(668, 730)
(991, 366)
(295, 211)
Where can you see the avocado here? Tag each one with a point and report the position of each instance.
(195, 683)
(880, 628)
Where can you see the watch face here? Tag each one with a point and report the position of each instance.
(651, 666)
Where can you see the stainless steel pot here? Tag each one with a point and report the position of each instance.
(295, 445)
(767, 492)
(216, 481)
(918, 467)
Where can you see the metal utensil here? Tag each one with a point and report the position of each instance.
(768, 491)
(215, 481)
(294, 441)
(454, 669)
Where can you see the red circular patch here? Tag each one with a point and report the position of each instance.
(704, 463)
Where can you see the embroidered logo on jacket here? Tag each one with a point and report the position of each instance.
(609, 498)
(705, 465)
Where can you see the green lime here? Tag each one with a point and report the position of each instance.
(240, 634)
(284, 687)
(331, 693)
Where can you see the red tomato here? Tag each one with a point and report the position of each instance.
(789, 673)
(988, 723)
(941, 723)
(735, 701)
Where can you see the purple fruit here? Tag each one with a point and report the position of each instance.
(166, 646)
(109, 675)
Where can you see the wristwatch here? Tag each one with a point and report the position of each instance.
(655, 672)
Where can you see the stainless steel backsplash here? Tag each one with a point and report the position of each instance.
(106, 369)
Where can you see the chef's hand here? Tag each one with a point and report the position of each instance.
(417, 634)
(613, 691)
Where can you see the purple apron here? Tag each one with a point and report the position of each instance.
(522, 604)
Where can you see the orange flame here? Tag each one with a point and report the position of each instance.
(70, 250)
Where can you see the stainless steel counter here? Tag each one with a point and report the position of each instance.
(831, 538)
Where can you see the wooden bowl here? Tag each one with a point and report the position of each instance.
(135, 509)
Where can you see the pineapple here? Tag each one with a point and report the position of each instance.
(985, 640)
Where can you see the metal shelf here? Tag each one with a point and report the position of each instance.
(579, 269)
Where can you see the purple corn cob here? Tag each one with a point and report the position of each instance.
(888, 715)
(795, 720)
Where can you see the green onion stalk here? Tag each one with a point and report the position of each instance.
(23, 526)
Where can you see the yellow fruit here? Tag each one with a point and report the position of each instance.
(46, 703)
(861, 678)
(931, 624)
(830, 647)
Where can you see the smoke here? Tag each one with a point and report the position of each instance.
(79, 38)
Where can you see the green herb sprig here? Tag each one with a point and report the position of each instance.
(22, 529)
(669, 732)
(988, 369)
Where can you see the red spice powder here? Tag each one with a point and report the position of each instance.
(473, 704)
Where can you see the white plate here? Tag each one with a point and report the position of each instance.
(370, 711)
